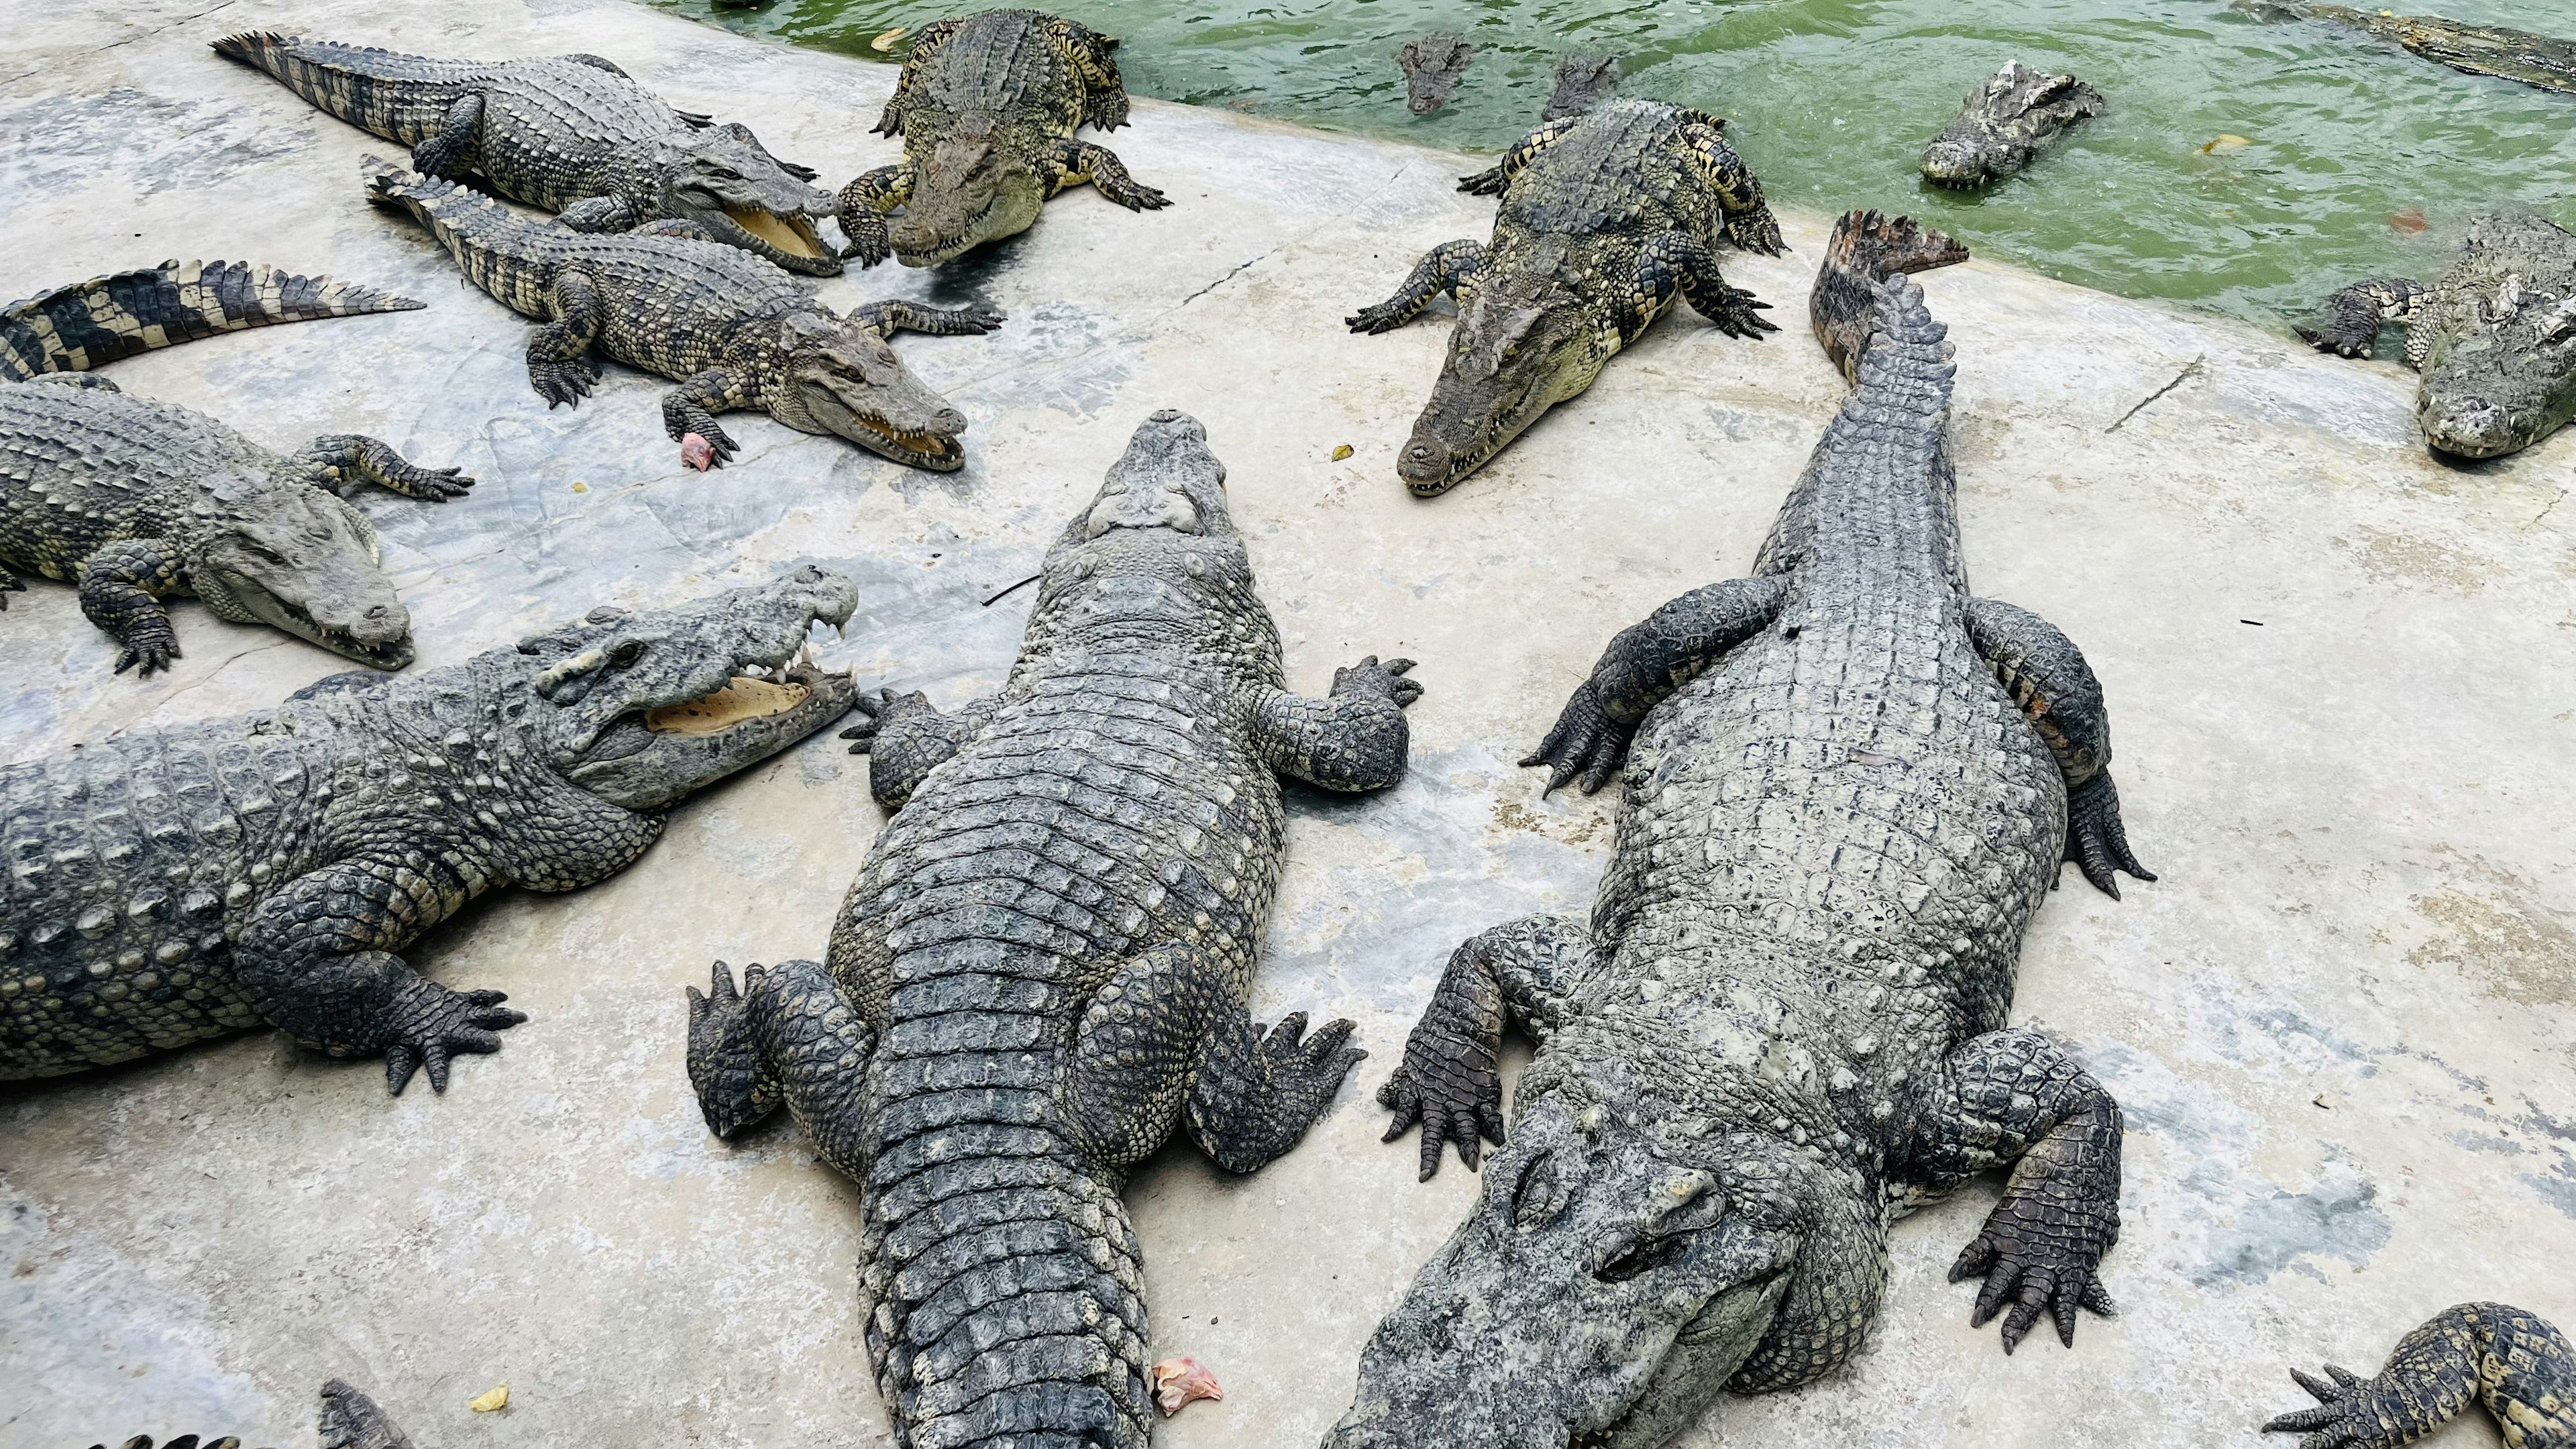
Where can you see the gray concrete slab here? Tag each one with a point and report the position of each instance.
(2341, 1022)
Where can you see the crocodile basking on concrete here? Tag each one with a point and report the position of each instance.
(2004, 125)
(135, 501)
(1043, 968)
(987, 107)
(266, 869)
(350, 1420)
(1848, 786)
(1606, 218)
(2514, 1362)
(568, 133)
(2494, 338)
(735, 331)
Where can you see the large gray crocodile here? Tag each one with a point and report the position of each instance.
(1607, 218)
(2544, 61)
(2005, 123)
(135, 501)
(569, 133)
(735, 331)
(1042, 970)
(2494, 337)
(2514, 1362)
(1848, 785)
(350, 1420)
(266, 869)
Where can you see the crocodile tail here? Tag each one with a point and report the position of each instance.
(351, 1420)
(396, 96)
(472, 226)
(90, 324)
(1868, 247)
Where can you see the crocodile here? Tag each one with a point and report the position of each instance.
(987, 106)
(1432, 67)
(1866, 245)
(734, 331)
(1606, 218)
(2509, 1359)
(1583, 80)
(1848, 785)
(1043, 967)
(350, 1420)
(2004, 125)
(2542, 61)
(135, 501)
(267, 869)
(2494, 337)
(571, 134)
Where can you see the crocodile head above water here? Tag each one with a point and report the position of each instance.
(1523, 344)
(2497, 341)
(1155, 553)
(842, 378)
(2004, 123)
(298, 558)
(745, 197)
(966, 190)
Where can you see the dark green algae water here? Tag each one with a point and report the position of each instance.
(2363, 159)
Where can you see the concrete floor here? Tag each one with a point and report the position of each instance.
(2343, 678)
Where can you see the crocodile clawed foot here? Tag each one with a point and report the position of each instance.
(723, 1066)
(2340, 1416)
(436, 485)
(1305, 1071)
(148, 654)
(2095, 839)
(1137, 196)
(1584, 742)
(707, 446)
(1738, 314)
(2339, 343)
(870, 239)
(1385, 680)
(2032, 1277)
(566, 382)
(436, 1024)
(1384, 317)
(1488, 182)
(1762, 235)
(10, 584)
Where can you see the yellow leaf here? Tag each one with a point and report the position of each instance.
(1341, 452)
(2225, 144)
(492, 1402)
(581, 488)
(885, 42)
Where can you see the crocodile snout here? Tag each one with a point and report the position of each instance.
(1424, 464)
(2470, 427)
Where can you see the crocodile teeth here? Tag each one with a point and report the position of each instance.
(791, 234)
(740, 701)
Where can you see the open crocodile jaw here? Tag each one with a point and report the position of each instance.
(742, 699)
(934, 451)
(793, 235)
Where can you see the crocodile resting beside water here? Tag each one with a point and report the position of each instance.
(568, 133)
(2514, 1362)
(1848, 786)
(1607, 217)
(2005, 123)
(266, 869)
(1043, 968)
(136, 501)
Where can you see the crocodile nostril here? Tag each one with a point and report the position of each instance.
(378, 612)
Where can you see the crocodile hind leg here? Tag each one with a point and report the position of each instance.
(559, 362)
(1073, 162)
(893, 315)
(450, 151)
(1646, 662)
(926, 43)
(1353, 739)
(2512, 1361)
(864, 203)
(120, 589)
(1523, 973)
(343, 460)
(1104, 98)
(789, 1036)
(2360, 309)
(1445, 268)
(1676, 262)
(1749, 223)
(1492, 180)
(2046, 675)
(689, 412)
(905, 739)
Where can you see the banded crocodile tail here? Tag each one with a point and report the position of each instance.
(90, 324)
(473, 227)
(396, 96)
(1868, 247)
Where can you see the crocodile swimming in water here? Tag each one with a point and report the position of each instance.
(2543, 61)
(350, 1420)
(987, 107)
(1583, 80)
(2514, 1362)
(2005, 123)
(266, 869)
(1432, 67)
(1607, 217)
(735, 331)
(2494, 338)
(1848, 785)
(1043, 968)
(568, 133)
(135, 501)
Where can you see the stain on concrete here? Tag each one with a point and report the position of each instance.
(2492, 926)
(2387, 557)
(2338, 1218)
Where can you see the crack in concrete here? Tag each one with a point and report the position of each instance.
(2189, 371)
(2544, 512)
(1239, 270)
(129, 40)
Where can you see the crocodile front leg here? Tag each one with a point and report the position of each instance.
(789, 1036)
(451, 150)
(1354, 739)
(559, 363)
(1074, 162)
(893, 315)
(1749, 223)
(1445, 268)
(1492, 180)
(688, 412)
(864, 203)
(342, 460)
(905, 739)
(2512, 1361)
(1524, 973)
(1644, 664)
(1677, 262)
(120, 589)
(2046, 675)
(2360, 309)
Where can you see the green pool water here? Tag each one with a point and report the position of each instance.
(1832, 100)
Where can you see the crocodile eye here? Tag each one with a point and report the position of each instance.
(626, 653)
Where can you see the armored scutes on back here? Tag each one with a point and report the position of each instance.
(2514, 1362)
(1848, 786)
(2004, 123)
(1606, 218)
(1432, 67)
(266, 870)
(350, 1420)
(734, 330)
(569, 133)
(987, 107)
(2544, 61)
(135, 501)
(1042, 970)
(2494, 337)
(1865, 248)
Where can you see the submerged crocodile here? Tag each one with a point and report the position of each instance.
(2544, 61)
(2512, 1361)
(1432, 67)
(350, 1420)
(1042, 970)
(2494, 338)
(267, 869)
(1848, 786)
(987, 107)
(1583, 80)
(2004, 125)
(735, 331)
(1606, 218)
(135, 501)
(568, 133)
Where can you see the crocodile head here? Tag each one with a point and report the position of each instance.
(1154, 551)
(843, 378)
(1523, 344)
(301, 559)
(2499, 342)
(723, 180)
(967, 190)
(1432, 66)
(642, 708)
(2004, 123)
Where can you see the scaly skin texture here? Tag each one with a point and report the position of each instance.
(1607, 218)
(2004, 125)
(987, 107)
(266, 869)
(135, 501)
(1583, 80)
(1865, 247)
(568, 133)
(2514, 1362)
(1432, 67)
(2494, 337)
(1848, 785)
(734, 330)
(2491, 50)
(350, 1420)
(1043, 968)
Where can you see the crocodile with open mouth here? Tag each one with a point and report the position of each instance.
(735, 331)
(1608, 216)
(568, 133)
(267, 869)
(135, 501)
